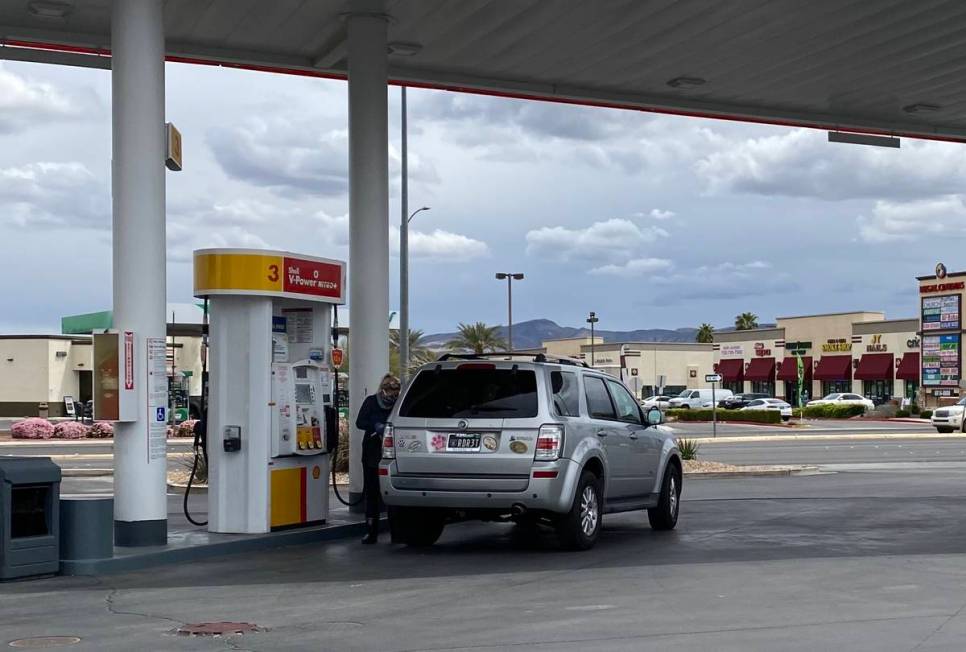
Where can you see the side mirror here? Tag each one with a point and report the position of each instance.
(655, 417)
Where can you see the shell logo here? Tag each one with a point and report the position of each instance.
(316, 472)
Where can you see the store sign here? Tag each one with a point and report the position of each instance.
(840, 345)
(941, 360)
(941, 313)
(732, 350)
(913, 343)
(797, 348)
(634, 371)
(942, 287)
(761, 351)
(876, 346)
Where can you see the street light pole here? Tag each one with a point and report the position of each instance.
(510, 277)
(592, 320)
(404, 220)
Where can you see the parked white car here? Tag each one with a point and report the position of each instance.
(697, 398)
(661, 402)
(843, 398)
(950, 418)
(771, 404)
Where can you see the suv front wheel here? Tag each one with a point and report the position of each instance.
(580, 527)
(665, 515)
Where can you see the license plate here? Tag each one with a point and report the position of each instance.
(464, 442)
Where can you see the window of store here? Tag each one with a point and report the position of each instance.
(763, 387)
(912, 388)
(736, 386)
(877, 391)
(836, 386)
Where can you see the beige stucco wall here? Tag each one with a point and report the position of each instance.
(897, 337)
(24, 370)
(570, 347)
(675, 361)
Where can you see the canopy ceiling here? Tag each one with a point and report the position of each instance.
(882, 66)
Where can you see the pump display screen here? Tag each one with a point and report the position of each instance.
(301, 373)
(303, 393)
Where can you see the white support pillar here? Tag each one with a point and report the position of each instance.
(137, 80)
(368, 217)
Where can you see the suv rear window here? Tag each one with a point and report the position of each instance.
(463, 393)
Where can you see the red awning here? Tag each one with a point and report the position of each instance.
(908, 367)
(834, 367)
(731, 369)
(875, 366)
(789, 370)
(761, 369)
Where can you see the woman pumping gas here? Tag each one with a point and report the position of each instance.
(372, 419)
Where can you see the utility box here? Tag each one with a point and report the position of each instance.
(29, 517)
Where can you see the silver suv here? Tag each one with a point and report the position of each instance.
(524, 438)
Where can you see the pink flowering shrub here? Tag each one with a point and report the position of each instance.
(32, 428)
(70, 430)
(101, 430)
(186, 428)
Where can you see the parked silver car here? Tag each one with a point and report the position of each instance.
(528, 439)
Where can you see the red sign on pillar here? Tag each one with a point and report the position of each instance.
(312, 277)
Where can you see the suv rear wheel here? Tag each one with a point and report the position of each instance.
(665, 515)
(580, 527)
(415, 526)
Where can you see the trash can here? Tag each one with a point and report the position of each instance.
(43, 410)
(29, 517)
(86, 526)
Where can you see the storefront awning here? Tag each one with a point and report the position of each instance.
(732, 370)
(834, 367)
(908, 367)
(875, 366)
(761, 370)
(789, 369)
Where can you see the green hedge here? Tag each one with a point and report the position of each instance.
(758, 416)
(830, 411)
(925, 414)
(902, 414)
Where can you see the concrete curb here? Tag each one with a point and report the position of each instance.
(805, 437)
(188, 441)
(148, 558)
(775, 473)
(86, 473)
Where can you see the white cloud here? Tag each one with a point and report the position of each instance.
(183, 239)
(727, 280)
(27, 103)
(440, 246)
(614, 239)
(943, 217)
(801, 163)
(659, 214)
(53, 195)
(634, 267)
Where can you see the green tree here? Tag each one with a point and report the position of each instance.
(705, 334)
(478, 338)
(746, 321)
(418, 354)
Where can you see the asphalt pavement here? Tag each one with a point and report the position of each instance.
(859, 560)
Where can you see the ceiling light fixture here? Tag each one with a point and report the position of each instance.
(405, 49)
(921, 108)
(853, 138)
(50, 10)
(686, 82)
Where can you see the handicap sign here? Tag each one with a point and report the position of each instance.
(160, 415)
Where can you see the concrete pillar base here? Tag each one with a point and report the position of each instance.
(141, 533)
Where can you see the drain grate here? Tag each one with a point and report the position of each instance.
(216, 629)
(37, 642)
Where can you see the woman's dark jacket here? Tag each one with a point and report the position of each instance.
(371, 421)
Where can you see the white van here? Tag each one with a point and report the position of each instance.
(697, 398)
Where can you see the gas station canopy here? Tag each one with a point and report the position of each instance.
(890, 66)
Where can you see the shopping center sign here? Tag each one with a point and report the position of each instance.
(840, 345)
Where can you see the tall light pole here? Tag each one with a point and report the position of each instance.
(510, 277)
(592, 320)
(404, 220)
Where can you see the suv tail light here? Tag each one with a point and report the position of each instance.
(549, 442)
(388, 443)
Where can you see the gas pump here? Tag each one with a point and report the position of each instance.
(271, 401)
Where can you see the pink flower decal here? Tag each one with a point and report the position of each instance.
(439, 442)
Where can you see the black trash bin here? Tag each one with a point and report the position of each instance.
(29, 517)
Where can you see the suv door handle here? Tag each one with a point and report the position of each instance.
(601, 433)
(633, 435)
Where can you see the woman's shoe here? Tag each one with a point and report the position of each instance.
(373, 533)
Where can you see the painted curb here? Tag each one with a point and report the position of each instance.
(776, 473)
(752, 439)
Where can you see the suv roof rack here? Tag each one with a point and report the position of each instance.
(508, 355)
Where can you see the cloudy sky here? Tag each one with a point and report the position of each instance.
(651, 221)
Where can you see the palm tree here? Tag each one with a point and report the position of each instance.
(418, 354)
(478, 338)
(705, 334)
(746, 321)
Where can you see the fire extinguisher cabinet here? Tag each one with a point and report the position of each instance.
(29, 517)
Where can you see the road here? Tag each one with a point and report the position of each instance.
(861, 561)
